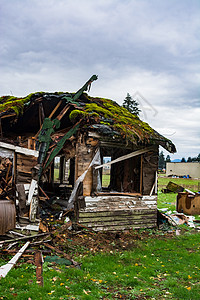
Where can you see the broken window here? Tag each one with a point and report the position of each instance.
(56, 168)
(106, 172)
(123, 176)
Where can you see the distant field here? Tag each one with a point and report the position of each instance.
(184, 182)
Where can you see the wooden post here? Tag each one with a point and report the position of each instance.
(38, 262)
(1, 132)
(141, 175)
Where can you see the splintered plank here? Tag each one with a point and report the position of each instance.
(117, 218)
(118, 227)
(38, 262)
(114, 221)
(117, 213)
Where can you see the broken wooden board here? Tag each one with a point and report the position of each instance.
(6, 268)
(38, 259)
(119, 212)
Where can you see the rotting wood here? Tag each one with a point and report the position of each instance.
(141, 174)
(120, 223)
(55, 109)
(38, 259)
(50, 116)
(19, 149)
(117, 194)
(115, 228)
(6, 268)
(33, 188)
(124, 213)
(116, 218)
(152, 189)
(43, 192)
(41, 114)
(33, 208)
(63, 112)
(24, 238)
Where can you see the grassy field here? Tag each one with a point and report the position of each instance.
(158, 265)
(169, 200)
(155, 268)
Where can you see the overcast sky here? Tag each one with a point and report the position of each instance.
(147, 47)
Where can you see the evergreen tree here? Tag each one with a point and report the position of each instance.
(189, 159)
(161, 160)
(168, 159)
(131, 105)
(183, 159)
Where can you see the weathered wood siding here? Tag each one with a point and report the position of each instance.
(24, 165)
(119, 212)
(84, 155)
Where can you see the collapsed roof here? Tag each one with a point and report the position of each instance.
(102, 115)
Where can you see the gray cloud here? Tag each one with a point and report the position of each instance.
(147, 46)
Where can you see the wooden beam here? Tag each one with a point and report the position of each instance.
(55, 109)
(63, 112)
(7, 116)
(6, 268)
(141, 174)
(41, 114)
(18, 149)
(127, 156)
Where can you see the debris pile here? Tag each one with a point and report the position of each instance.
(6, 189)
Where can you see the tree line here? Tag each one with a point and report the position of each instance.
(162, 160)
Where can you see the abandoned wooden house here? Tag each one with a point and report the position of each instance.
(52, 150)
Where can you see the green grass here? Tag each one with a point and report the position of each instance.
(157, 268)
(105, 180)
(163, 181)
(168, 200)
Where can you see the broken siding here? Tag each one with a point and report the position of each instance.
(84, 156)
(24, 168)
(119, 212)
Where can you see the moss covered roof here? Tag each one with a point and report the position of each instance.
(104, 112)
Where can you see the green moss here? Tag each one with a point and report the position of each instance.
(16, 104)
(125, 122)
(99, 110)
(77, 114)
(82, 114)
(93, 107)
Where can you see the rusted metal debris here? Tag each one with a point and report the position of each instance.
(188, 203)
(7, 216)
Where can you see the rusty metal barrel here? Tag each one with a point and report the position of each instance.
(7, 216)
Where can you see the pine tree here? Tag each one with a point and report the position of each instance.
(183, 159)
(161, 161)
(131, 105)
(189, 159)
